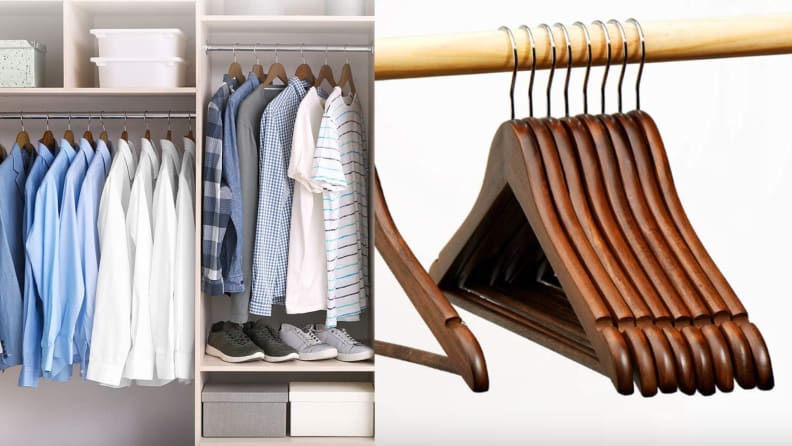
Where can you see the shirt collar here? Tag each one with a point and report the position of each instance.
(169, 151)
(45, 154)
(230, 81)
(86, 150)
(127, 154)
(189, 146)
(147, 150)
(67, 150)
(103, 152)
(299, 84)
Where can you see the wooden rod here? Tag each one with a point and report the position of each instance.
(485, 52)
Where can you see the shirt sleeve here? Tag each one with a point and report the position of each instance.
(216, 204)
(184, 284)
(10, 306)
(111, 332)
(328, 173)
(303, 149)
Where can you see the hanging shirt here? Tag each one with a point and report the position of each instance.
(232, 242)
(111, 331)
(42, 248)
(88, 243)
(162, 265)
(68, 287)
(13, 174)
(184, 261)
(31, 303)
(139, 225)
(306, 279)
(341, 169)
(271, 251)
(248, 132)
(216, 196)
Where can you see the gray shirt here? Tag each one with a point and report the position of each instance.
(248, 128)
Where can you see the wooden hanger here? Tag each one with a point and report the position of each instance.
(235, 70)
(304, 71)
(169, 133)
(276, 71)
(3, 153)
(48, 139)
(68, 135)
(124, 133)
(189, 134)
(88, 135)
(23, 138)
(258, 69)
(325, 74)
(346, 79)
(464, 355)
(103, 136)
(147, 134)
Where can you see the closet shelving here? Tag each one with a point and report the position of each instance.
(304, 25)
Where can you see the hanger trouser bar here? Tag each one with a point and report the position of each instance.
(486, 52)
(290, 48)
(97, 116)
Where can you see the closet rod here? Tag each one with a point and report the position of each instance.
(485, 52)
(290, 48)
(98, 116)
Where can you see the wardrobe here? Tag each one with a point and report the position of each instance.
(171, 414)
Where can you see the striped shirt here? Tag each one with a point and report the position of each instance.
(271, 249)
(340, 168)
(216, 211)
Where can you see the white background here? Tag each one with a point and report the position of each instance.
(726, 128)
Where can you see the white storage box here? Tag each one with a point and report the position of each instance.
(327, 409)
(136, 43)
(21, 63)
(140, 72)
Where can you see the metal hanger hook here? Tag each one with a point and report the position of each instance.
(276, 53)
(89, 122)
(569, 67)
(169, 120)
(125, 121)
(233, 49)
(514, 69)
(532, 43)
(302, 46)
(21, 122)
(189, 123)
(255, 54)
(346, 53)
(608, 53)
(624, 58)
(327, 50)
(68, 126)
(588, 64)
(47, 117)
(101, 121)
(145, 119)
(551, 39)
(643, 60)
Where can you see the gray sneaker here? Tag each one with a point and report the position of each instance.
(306, 343)
(269, 341)
(228, 342)
(349, 349)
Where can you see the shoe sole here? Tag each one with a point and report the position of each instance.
(289, 357)
(212, 351)
(354, 357)
(318, 356)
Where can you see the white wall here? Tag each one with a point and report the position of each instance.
(726, 128)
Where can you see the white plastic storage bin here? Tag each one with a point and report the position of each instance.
(21, 63)
(140, 72)
(327, 409)
(136, 43)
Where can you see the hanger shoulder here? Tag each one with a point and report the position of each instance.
(305, 73)
(347, 79)
(325, 74)
(235, 71)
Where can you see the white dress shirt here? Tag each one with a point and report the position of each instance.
(111, 334)
(162, 261)
(184, 266)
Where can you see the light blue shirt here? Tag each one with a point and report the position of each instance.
(42, 249)
(13, 172)
(231, 248)
(33, 312)
(69, 289)
(88, 241)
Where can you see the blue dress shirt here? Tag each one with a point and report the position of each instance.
(13, 173)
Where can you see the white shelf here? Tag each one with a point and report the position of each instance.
(184, 91)
(136, 7)
(289, 24)
(31, 7)
(212, 364)
(296, 441)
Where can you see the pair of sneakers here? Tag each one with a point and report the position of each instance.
(317, 342)
(233, 342)
(256, 340)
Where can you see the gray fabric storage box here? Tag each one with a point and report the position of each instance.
(21, 63)
(244, 410)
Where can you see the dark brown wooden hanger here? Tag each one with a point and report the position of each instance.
(169, 133)
(48, 139)
(347, 79)
(124, 133)
(258, 69)
(276, 71)
(103, 135)
(23, 139)
(88, 135)
(325, 74)
(189, 134)
(464, 355)
(68, 135)
(304, 72)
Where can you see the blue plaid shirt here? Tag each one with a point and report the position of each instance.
(271, 250)
(216, 196)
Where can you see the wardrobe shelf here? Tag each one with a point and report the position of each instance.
(212, 364)
(182, 91)
(136, 7)
(31, 7)
(296, 441)
(289, 24)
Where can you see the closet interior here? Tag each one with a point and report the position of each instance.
(215, 33)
